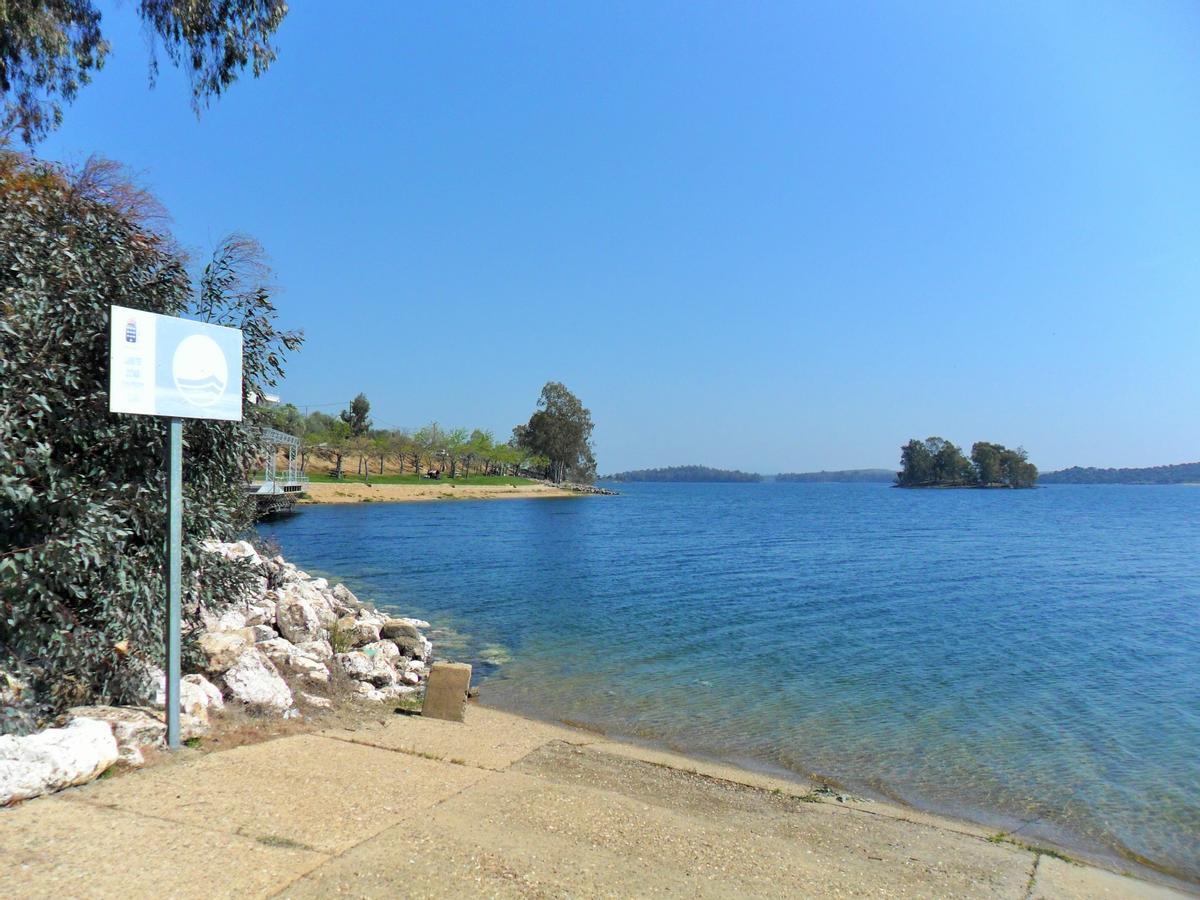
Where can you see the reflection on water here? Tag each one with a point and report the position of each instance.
(1031, 659)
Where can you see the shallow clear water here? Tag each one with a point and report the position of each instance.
(1029, 659)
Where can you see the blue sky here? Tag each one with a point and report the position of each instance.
(777, 236)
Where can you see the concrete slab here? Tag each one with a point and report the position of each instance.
(593, 841)
(54, 848)
(1058, 880)
(488, 739)
(446, 691)
(852, 850)
(315, 792)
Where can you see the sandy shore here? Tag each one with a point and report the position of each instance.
(500, 806)
(356, 492)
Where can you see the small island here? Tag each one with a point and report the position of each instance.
(938, 463)
(696, 474)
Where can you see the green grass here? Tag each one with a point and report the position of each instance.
(324, 478)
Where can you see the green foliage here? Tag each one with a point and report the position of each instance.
(686, 474)
(1183, 473)
(561, 431)
(936, 462)
(357, 416)
(50, 48)
(82, 517)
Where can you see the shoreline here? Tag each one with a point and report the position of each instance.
(506, 804)
(856, 794)
(333, 492)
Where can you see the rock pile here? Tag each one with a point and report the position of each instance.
(294, 642)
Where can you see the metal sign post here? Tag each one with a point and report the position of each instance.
(174, 573)
(175, 368)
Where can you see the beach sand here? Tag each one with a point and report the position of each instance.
(500, 806)
(356, 492)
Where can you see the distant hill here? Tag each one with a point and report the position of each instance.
(1177, 474)
(684, 474)
(844, 475)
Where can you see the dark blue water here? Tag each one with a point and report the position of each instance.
(1029, 659)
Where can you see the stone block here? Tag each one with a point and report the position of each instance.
(446, 691)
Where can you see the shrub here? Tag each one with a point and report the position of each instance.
(82, 508)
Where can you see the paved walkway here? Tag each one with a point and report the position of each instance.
(503, 807)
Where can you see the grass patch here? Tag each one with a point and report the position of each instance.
(508, 480)
(341, 638)
(192, 743)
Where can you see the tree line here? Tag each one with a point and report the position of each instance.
(936, 462)
(1181, 473)
(693, 474)
(554, 444)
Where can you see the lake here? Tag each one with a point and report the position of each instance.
(1026, 659)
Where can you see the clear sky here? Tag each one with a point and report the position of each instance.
(777, 236)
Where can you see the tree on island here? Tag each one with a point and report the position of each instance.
(936, 462)
(48, 50)
(561, 431)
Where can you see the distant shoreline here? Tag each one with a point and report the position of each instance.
(342, 492)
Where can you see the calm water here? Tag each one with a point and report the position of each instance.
(1027, 659)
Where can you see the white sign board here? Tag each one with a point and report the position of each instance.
(164, 366)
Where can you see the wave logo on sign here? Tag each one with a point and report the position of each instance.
(200, 370)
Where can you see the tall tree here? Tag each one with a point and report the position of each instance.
(560, 430)
(50, 48)
(358, 415)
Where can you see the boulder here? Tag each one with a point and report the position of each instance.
(133, 727)
(259, 633)
(198, 696)
(344, 600)
(367, 692)
(297, 619)
(386, 650)
(359, 666)
(221, 650)
(255, 681)
(417, 648)
(321, 650)
(261, 611)
(54, 759)
(358, 631)
(315, 701)
(291, 659)
(400, 628)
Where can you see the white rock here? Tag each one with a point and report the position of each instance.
(197, 694)
(54, 759)
(290, 659)
(384, 649)
(297, 619)
(321, 650)
(133, 728)
(254, 680)
(314, 700)
(222, 649)
(261, 612)
(260, 633)
(343, 599)
(410, 678)
(372, 669)
(358, 631)
(321, 584)
(367, 692)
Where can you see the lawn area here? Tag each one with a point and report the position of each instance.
(325, 478)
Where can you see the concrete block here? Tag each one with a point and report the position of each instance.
(446, 691)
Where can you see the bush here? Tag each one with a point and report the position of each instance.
(82, 508)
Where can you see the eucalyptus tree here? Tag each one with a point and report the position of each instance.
(82, 525)
(561, 430)
(49, 49)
